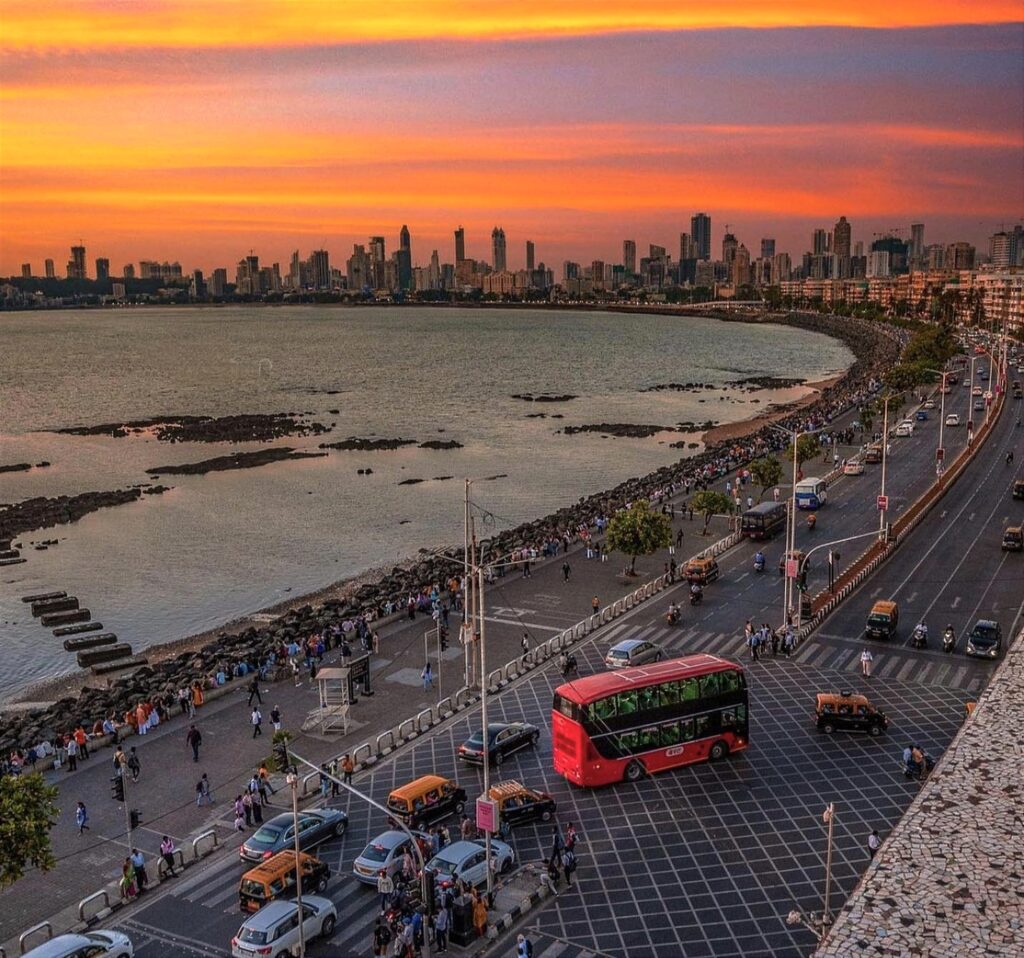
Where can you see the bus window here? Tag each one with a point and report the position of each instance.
(650, 738)
(669, 694)
(671, 734)
(686, 730)
(649, 699)
(729, 681)
(625, 702)
(741, 717)
(566, 708)
(709, 687)
(603, 709)
(728, 718)
(627, 743)
(702, 725)
(688, 690)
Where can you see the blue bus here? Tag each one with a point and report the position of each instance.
(811, 493)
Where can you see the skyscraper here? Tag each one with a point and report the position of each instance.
(740, 267)
(460, 245)
(998, 249)
(48, 269)
(917, 245)
(700, 230)
(686, 248)
(629, 255)
(26, 270)
(320, 269)
(404, 259)
(767, 248)
(729, 245)
(498, 250)
(841, 238)
(376, 253)
(76, 265)
(129, 272)
(530, 254)
(102, 268)
(819, 242)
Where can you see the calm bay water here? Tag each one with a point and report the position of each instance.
(229, 543)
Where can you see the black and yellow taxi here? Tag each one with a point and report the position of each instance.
(847, 712)
(701, 570)
(517, 803)
(426, 800)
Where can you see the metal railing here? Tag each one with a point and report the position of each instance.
(25, 935)
(102, 893)
(209, 833)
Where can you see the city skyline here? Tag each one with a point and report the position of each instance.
(572, 125)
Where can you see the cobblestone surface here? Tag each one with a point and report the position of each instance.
(949, 881)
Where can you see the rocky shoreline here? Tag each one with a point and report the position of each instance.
(237, 460)
(875, 347)
(246, 427)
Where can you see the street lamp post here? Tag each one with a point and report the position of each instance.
(486, 733)
(293, 785)
(885, 456)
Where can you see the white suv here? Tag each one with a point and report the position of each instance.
(90, 944)
(274, 930)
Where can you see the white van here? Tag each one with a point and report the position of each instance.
(904, 429)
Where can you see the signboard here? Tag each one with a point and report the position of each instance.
(487, 814)
(792, 567)
(883, 503)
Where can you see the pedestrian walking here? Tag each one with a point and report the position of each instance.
(381, 938)
(72, 750)
(127, 883)
(874, 843)
(167, 850)
(595, 604)
(428, 677)
(385, 888)
(203, 791)
(139, 864)
(557, 844)
(679, 539)
(275, 718)
(789, 641)
(81, 818)
(524, 947)
(568, 865)
(265, 785)
(244, 802)
(347, 768)
(524, 643)
(83, 742)
(866, 658)
(134, 766)
(257, 722)
(566, 571)
(254, 692)
(194, 739)
(441, 930)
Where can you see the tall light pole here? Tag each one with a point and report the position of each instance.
(829, 818)
(486, 732)
(293, 784)
(940, 452)
(970, 400)
(885, 455)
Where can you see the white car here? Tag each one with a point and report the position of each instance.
(853, 468)
(976, 391)
(952, 419)
(89, 944)
(384, 853)
(466, 861)
(929, 404)
(904, 429)
(274, 930)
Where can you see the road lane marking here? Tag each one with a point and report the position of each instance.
(956, 602)
(523, 625)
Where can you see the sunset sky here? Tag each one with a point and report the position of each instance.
(198, 129)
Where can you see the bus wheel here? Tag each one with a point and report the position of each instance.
(634, 772)
(718, 750)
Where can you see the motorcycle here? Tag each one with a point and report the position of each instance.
(696, 596)
(919, 640)
(673, 617)
(759, 563)
(948, 640)
(812, 521)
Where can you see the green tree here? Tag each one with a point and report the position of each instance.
(27, 813)
(807, 447)
(638, 531)
(766, 472)
(709, 503)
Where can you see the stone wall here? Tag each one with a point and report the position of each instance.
(949, 881)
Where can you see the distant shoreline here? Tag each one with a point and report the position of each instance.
(57, 687)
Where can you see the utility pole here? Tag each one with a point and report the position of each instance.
(486, 735)
(293, 784)
(885, 455)
(829, 817)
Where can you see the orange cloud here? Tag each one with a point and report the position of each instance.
(91, 24)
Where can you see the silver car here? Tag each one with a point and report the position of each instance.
(91, 944)
(466, 861)
(632, 652)
(274, 929)
(383, 853)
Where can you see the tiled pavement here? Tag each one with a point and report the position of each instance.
(704, 861)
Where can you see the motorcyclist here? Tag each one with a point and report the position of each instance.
(759, 561)
(673, 613)
(696, 593)
(812, 520)
(921, 634)
(948, 638)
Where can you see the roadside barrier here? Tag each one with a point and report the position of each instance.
(386, 742)
(202, 837)
(357, 752)
(407, 730)
(422, 726)
(102, 893)
(35, 929)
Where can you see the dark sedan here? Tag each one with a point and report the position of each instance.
(504, 739)
(315, 826)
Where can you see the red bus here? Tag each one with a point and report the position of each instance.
(623, 724)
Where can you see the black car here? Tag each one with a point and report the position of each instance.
(985, 640)
(518, 804)
(315, 826)
(504, 738)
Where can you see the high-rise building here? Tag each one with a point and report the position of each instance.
(570, 270)
(460, 245)
(782, 268)
(740, 267)
(897, 250)
(629, 255)
(729, 246)
(935, 256)
(26, 270)
(530, 255)
(48, 269)
(767, 248)
(218, 282)
(359, 271)
(196, 286)
(102, 268)
(377, 258)
(819, 242)
(129, 272)
(686, 247)
(999, 249)
(700, 230)
(858, 248)
(658, 254)
(841, 239)
(498, 257)
(295, 271)
(916, 245)
(76, 265)
(404, 259)
(320, 269)
(597, 273)
(960, 256)
(879, 265)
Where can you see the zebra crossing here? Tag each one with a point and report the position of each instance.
(826, 652)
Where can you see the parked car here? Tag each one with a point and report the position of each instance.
(315, 827)
(383, 853)
(274, 929)
(465, 861)
(952, 419)
(90, 944)
(632, 652)
(504, 738)
(985, 640)
(848, 713)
